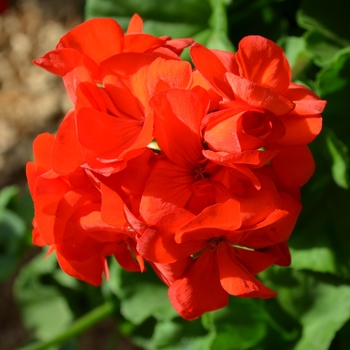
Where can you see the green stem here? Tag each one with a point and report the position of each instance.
(78, 327)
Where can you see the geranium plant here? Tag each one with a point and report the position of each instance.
(192, 170)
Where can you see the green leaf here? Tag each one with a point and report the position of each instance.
(142, 295)
(320, 306)
(329, 313)
(6, 194)
(329, 19)
(181, 18)
(179, 334)
(295, 51)
(340, 157)
(334, 86)
(241, 325)
(12, 236)
(44, 310)
(321, 48)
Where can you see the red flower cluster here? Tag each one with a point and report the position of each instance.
(196, 171)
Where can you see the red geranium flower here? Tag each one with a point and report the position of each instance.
(188, 176)
(88, 45)
(68, 218)
(261, 107)
(113, 123)
(205, 257)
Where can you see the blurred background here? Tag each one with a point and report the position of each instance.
(38, 301)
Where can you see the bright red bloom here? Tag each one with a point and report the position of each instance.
(113, 123)
(217, 253)
(99, 39)
(215, 203)
(189, 176)
(68, 218)
(260, 106)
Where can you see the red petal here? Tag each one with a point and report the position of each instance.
(276, 228)
(255, 261)
(211, 68)
(112, 208)
(123, 254)
(235, 279)
(83, 91)
(199, 291)
(169, 273)
(139, 42)
(103, 133)
(63, 61)
(199, 80)
(256, 205)
(47, 196)
(294, 165)
(263, 62)
(37, 239)
(259, 96)
(167, 74)
(66, 152)
(228, 59)
(90, 38)
(178, 115)
(42, 147)
(300, 130)
(135, 24)
(89, 270)
(177, 45)
(168, 187)
(93, 225)
(157, 244)
(306, 101)
(211, 222)
(254, 158)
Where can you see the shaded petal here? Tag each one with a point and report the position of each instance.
(169, 273)
(177, 45)
(294, 165)
(47, 196)
(89, 270)
(168, 187)
(276, 228)
(256, 205)
(128, 71)
(211, 222)
(255, 261)
(199, 291)
(157, 244)
(93, 225)
(123, 253)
